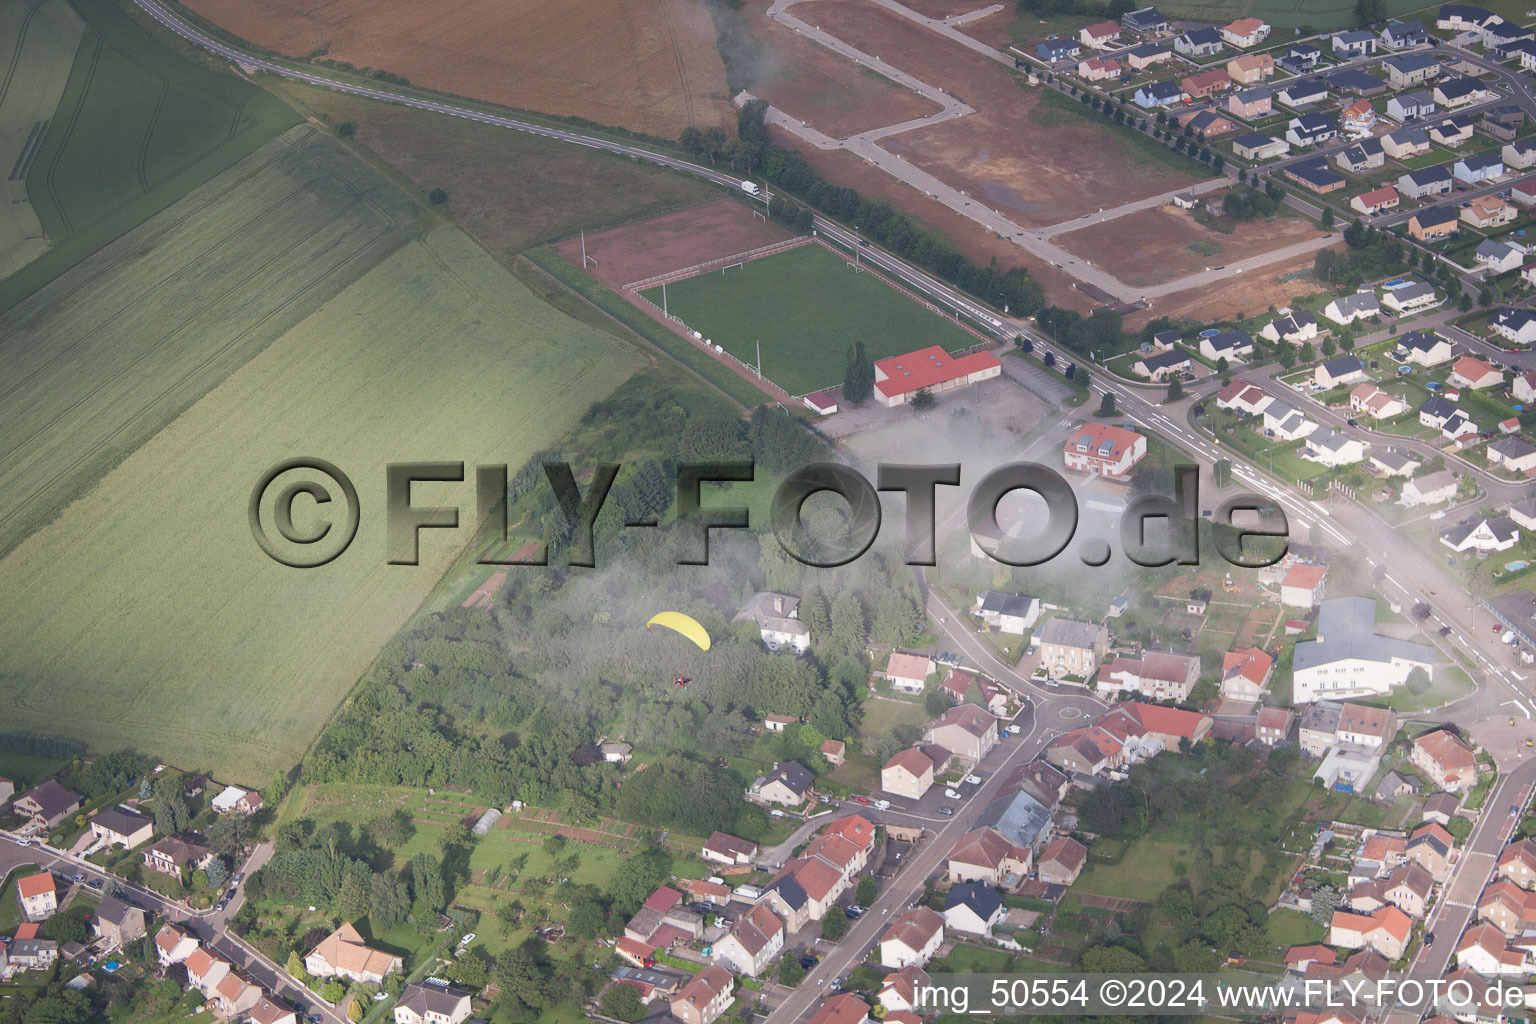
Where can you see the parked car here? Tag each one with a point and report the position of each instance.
(946, 811)
(974, 780)
(808, 962)
(861, 799)
(952, 794)
(882, 805)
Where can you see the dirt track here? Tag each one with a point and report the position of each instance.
(647, 65)
(826, 91)
(672, 241)
(1153, 246)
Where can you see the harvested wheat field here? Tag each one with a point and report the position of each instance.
(647, 65)
(1152, 246)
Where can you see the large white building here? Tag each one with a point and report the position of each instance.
(1349, 658)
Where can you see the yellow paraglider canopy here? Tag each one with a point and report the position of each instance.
(684, 624)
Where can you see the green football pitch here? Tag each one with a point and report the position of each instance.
(805, 307)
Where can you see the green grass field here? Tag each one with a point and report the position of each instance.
(32, 78)
(146, 616)
(806, 306)
(105, 356)
(140, 124)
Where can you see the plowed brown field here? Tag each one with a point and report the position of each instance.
(647, 65)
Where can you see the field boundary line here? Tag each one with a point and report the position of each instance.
(772, 248)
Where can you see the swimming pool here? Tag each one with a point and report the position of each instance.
(1516, 565)
(1209, 332)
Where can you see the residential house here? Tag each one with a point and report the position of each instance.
(1386, 931)
(1432, 847)
(912, 938)
(1285, 421)
(1315, 175)
(119, 826)
(908, 672)
(37, 896)
(847, 1008)
(1087, 751)
(1463, 17)
(344, 954)
(1140, 58)
(1411, 297)
(1302, 586)
(1402, 35)
(1346, 369)
(1272, 725)
(175, 854)
(908, 773)
(1250, 104)
(1487, 212)
(46, 805)
(1207, 123)
(986, 855)
(1071, 648)
(1454, 131)
(173, 945)
(1245, 674)
(1199, 42)
(1356, 82)
(753, 942)
(1524, 513)
(1159, 675)
(1319, 727)
(1310, 129)
(1516, 325)
(1158, 94)
(966, 731)
(1482, 950)
(117, 922)
(1524, 192)
(1363, 156)
(1251, 68)
(1433, 224)
(234, 996)
(1294, 326)
(1349, 658)
(1445, 760)
(426, 1003)
(205, 970)
(1518, 863)
(899, 989)
(1233, 346)
(1519, 154)
(704, 999)
(1410, 106)
(1162, 365)
(1425, 348)
(1474, 373)
(1346, 309)
(973, 908)
(1256, 145)
(1405, 143)
(1512, 453)
(233, 800)
(1244, 396)
(1358, 43)
(1430, 489)
(1005, 612)
(1497, 257)
(1100, 36)
(723, 848)
(1098, 69)
(789, 783)
(1459, 91)
(1145, 21)
(1427, 181)
(1062, 861)
(1054, 50)
(1510, 908)
(1375, 201)
(1364, 727)
(1393, 461)
(778, 621)
(1476, 168)
(1106, 450)
(834, 751)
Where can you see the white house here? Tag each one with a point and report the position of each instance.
(908, 672)
(1349, 659)
(1005, 612)
(1483, 534)
(912, 938)
(1332, 448)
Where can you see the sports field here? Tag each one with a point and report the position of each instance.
(146, 616)
(32, 77)
(99, 360)
(806, 306)
(139, 126)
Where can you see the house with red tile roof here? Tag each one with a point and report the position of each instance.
(1245, 674)
(37, 896)
(1062, 861)
(1303, 585)
(1446, 760)
(912, 938)
(706, 997)
(932, 369)
(1385, 931)
(986, 855)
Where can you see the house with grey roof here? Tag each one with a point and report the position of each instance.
(1482, 534)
